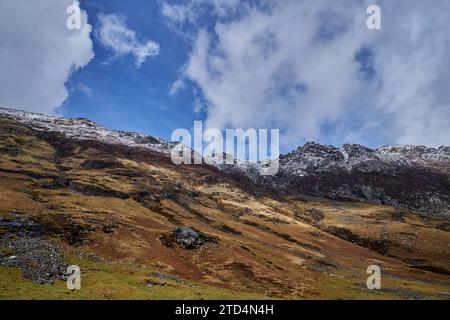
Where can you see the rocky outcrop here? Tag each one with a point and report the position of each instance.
(410, 177)
(187, 238)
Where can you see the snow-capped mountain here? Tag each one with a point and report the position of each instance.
(315, 158)
(85, 129)
(411, 177)
(312, 158)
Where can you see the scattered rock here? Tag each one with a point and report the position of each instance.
(329, 263)
(89, 256)
(169, 277)
(109, 227)
(39, 260)
(405, 293)
(318, 268)
(150, 284)
(316, 234)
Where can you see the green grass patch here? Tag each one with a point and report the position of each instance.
(111, 281)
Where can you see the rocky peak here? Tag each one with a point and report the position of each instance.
(354, 151)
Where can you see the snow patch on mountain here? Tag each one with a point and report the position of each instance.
(84, 129)
(312, 158)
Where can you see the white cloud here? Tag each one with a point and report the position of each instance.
(80, 86)
(38, 53)
(115, 35)
(291, 64)
(178, 85)
(413, 62)
(193, 10)
(177, 13)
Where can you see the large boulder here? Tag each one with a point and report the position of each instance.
(188, 238)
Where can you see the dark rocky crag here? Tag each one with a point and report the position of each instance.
(411, 177)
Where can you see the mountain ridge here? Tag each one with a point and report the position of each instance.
(402, 176)
(84, 124)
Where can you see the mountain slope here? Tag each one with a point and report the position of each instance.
(411, 177)
(116, 207)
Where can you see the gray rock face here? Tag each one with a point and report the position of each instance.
(187, 238)
(416, 178)
(191, 239)
(315, 158)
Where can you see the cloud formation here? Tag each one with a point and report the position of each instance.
(314, 70)
(194, 10)
(38, 53)
(115, 35)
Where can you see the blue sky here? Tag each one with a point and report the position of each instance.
(125, 97)
(121, 96)
(310, 68)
